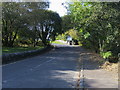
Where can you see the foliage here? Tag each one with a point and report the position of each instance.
(73, 33)
(46, 23)
(12, 22)
(67, 23)
(61, 37)
(98, 25)
(28, 22)
(106, 54)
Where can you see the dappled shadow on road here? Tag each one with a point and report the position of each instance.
(91, 62)
(63, 53)
(62, 70)
(66, 72)
(90, 59)
(55, 69)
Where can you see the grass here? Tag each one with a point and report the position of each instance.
(18, 49)
(57, 42)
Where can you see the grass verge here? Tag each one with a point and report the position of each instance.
(57, 42)
(19, 49)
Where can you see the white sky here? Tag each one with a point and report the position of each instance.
(56, 5)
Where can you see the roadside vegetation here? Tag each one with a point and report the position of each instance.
(28, 24)
(96, 25)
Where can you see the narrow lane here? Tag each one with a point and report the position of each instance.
(55, 69)
(59, 68)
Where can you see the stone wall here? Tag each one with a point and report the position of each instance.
(12, 57)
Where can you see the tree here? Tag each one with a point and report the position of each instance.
(98, 25)
(46, 23)
(67, 23)
(73, 33)
(15, 19)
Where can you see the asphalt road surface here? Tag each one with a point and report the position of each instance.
(55, 69)
(62, 67)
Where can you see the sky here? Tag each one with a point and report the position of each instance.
(56, 5)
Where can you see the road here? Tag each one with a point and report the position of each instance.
(63, 67)
(55, 69)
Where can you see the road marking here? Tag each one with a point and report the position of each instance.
(32, 69)
(43, 63)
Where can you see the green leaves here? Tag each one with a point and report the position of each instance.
(47, 24)
(29, 20)
(98, 24)
(106, 54)
(86, 35)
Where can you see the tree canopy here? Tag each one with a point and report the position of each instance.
(29, 21)
(98, 24)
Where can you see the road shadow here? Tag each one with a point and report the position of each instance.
(55, 69)
(90, 59)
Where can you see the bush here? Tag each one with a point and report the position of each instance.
(113, 59)
(61, 37)
(106, 54)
